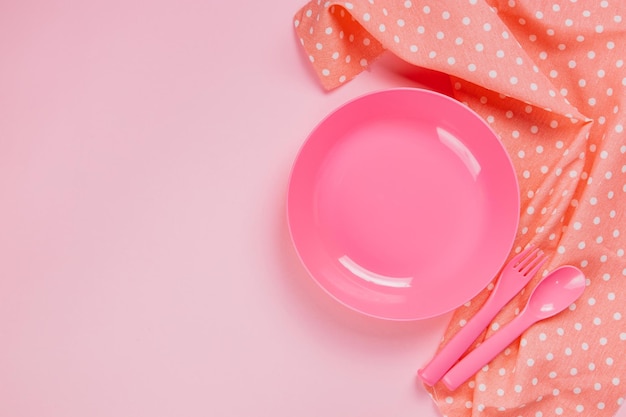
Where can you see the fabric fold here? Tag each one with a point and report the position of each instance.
(488, 55)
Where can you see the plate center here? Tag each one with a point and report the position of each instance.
(392, 197)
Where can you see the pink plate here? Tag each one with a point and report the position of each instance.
(403, 204)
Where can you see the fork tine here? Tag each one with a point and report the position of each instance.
(532, 267)
(531, 253)
(517, 259)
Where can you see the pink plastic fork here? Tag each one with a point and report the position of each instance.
(515, 275)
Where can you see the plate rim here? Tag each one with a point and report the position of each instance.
(405, 90)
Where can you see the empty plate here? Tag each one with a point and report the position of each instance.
(403, 204)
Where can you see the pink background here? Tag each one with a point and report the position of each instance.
(145, 263)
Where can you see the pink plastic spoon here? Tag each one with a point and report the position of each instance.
(553, 294)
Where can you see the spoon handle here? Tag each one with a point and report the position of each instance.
(486, 351)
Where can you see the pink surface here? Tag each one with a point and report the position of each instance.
(397, 197)
(145, 263)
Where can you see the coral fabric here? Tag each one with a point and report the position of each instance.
(550, 79)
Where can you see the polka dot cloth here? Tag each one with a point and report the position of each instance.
(550, 78)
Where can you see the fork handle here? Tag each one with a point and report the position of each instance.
(486, 351)
(454, 349)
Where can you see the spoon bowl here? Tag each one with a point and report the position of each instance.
(556, 292)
